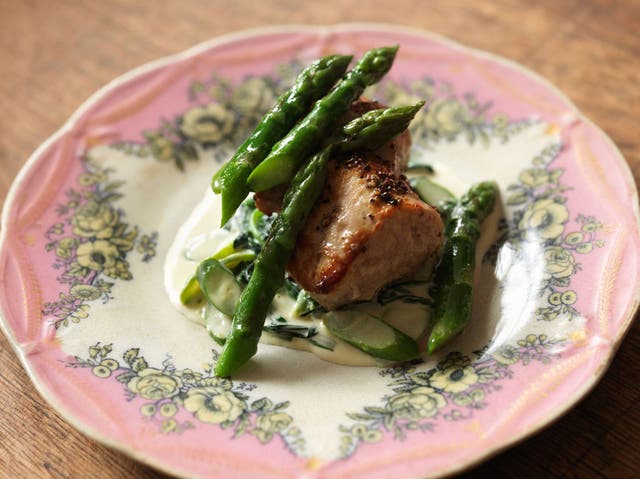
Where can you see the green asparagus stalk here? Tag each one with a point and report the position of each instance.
(287, 155)
(376, 127)
(269, 267)
(313, 83)
(453, 277)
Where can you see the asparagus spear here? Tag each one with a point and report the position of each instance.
(269, 268)
(313, 83)
(376, 127)
(287, 155)
(454, 274)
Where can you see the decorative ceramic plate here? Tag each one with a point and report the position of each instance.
(90, 218)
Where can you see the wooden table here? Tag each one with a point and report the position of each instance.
(53, 55)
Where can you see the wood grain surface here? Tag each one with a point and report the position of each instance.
(54, 54)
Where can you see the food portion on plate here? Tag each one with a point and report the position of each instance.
(379, 274)
(348, 248)
(338, 252)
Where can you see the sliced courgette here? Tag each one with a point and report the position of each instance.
(217, 323)
(431, 193)
(191, 295)
(234, 259)
(412, 320)
(219, 285)
(371, 335)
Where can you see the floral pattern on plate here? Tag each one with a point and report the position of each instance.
(91, 243)
(451, 391)
(210, 400)
(80, 249)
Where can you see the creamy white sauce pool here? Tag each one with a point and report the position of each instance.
(199, 238)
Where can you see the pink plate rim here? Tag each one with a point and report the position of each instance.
(68, 413)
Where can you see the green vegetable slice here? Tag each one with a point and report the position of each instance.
(414, 326)
(430, 192)
(371, 335)
(219, 285)
(191, 295)
(217, 323)
(234, 259)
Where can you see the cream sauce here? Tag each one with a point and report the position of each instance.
(199, 237)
